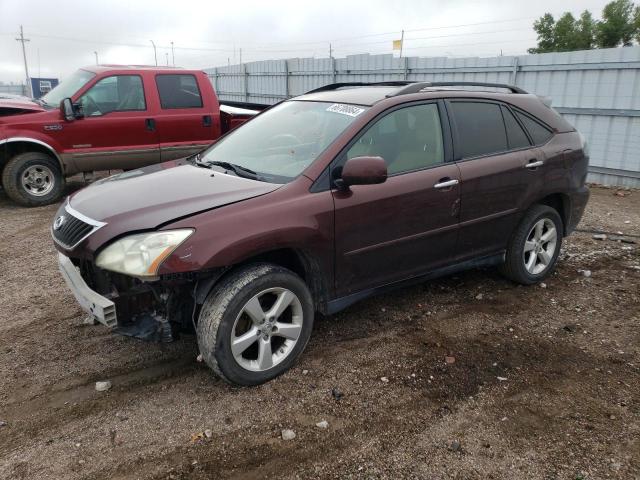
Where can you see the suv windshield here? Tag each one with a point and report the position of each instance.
(67, 88)
(280, 143)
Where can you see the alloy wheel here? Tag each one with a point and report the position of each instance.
(540, 246)
(267, 329)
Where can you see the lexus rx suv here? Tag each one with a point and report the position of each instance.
(319, 202)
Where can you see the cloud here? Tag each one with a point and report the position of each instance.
(64, 34)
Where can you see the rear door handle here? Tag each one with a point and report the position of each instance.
(150, 123)
(206, 120)
(445, 183)
(533, 163)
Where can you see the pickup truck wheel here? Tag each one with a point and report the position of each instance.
(255, 324)
(33, 179)
(533, 250)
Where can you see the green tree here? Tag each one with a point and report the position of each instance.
(564, 35)
(636, 23)
(617, 25)
(585, 31)
(545, 28)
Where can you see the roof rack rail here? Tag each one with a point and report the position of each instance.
(335, 86)
(416, 87)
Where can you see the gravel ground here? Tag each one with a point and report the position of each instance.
(483, 379)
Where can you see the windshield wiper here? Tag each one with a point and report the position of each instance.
(237, 169)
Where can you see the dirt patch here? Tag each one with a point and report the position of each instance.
(539, 383)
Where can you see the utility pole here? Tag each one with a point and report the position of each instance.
(96, 54)
(173, 57)
(155, 55)
(241, 56)
(24, 56)
(401, 42)
(330, 52)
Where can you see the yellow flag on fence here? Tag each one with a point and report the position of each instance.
(397, 44)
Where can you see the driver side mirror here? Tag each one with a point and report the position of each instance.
(362, 171)
(69, 110)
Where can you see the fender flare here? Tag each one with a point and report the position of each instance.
(37, 142)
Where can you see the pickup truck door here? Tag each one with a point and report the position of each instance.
(117, 130)
(189, 117)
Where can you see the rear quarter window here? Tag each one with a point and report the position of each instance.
(178, 91)
(538, 132)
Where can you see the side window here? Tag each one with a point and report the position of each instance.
(539, 134)
(408, 139)
(119, 93)
(515, 134)
(178, 91)
(480, 128)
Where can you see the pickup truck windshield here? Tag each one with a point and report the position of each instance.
(67, 88)
(280, 143)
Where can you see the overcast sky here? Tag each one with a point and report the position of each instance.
(65, 34)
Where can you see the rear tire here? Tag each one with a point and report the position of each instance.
(243, 333)
(33, 179)
(534, 247)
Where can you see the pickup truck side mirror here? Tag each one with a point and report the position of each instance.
(362, 171)
(69, 110)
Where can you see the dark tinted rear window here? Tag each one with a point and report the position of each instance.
(539, 134)
(515, 134)
(480, 128)
(178, 91)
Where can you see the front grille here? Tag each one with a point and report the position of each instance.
(70, 227)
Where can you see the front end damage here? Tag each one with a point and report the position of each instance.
(149, 310)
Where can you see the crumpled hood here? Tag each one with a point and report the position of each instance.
(151, 196)
(15, 103)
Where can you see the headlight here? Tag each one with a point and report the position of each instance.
(140, 255)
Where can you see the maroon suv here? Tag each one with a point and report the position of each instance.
(321, 201)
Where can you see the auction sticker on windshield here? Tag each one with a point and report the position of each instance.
(350, 110)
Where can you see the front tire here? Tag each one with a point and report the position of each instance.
(33, 179)
(534, 247)
(255, 324)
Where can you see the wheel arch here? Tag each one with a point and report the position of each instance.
(300, 262)
(561, 203)
(10, 147)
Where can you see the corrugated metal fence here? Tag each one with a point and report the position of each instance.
(12, 89)
(598, 91)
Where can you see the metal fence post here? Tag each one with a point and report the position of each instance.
(286, 79)
(406, 68)
(333, 70)
(514, 73)
(246, 82)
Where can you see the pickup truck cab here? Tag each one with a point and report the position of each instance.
(107, 117)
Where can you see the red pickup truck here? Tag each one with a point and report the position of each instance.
(108, 117)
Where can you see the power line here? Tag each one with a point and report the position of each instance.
(142, 45)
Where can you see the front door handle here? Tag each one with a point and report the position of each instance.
(533, 163)
(445, 183)
(206, 120)
(150, 123)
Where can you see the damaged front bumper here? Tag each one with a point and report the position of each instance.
(152, 311)
(98, 307)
